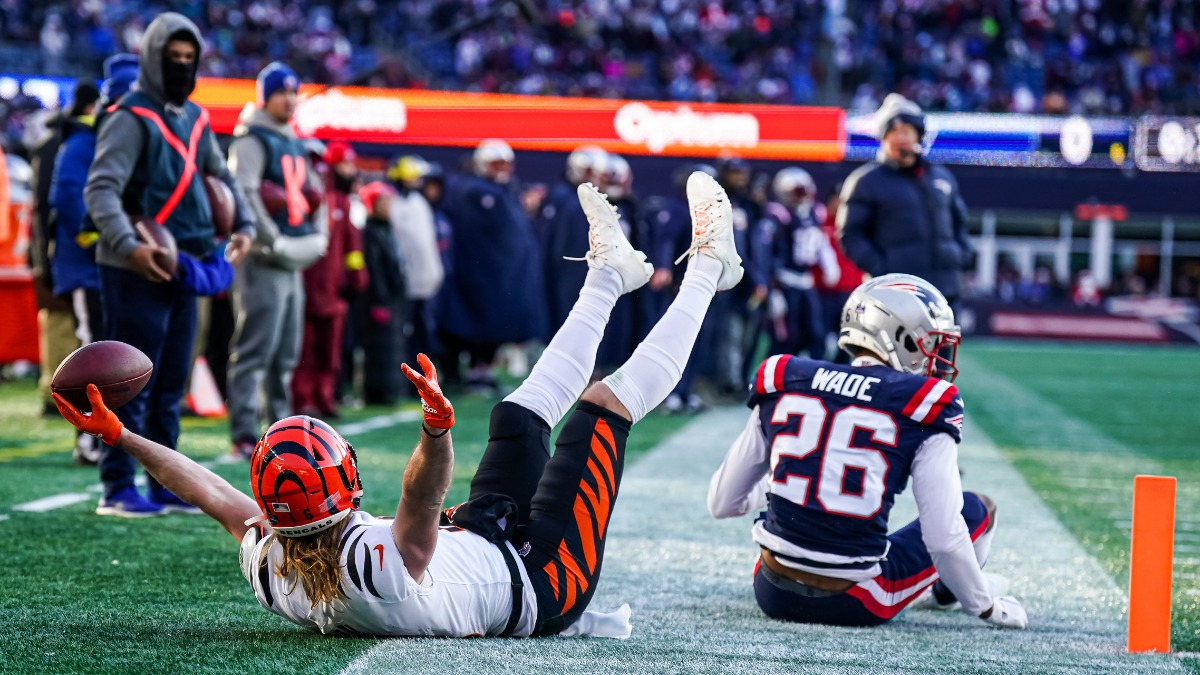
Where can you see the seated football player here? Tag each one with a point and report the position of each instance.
(828, 447)
(522, 557)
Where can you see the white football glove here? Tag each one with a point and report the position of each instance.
(777, 305)
(1007, 612)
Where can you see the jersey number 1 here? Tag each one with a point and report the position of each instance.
(838, 455)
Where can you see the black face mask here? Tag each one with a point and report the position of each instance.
(179, 79)
(343, 183)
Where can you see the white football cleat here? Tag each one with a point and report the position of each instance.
(712, 227)
(608, 245)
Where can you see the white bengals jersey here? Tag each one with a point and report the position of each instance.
(466, 590)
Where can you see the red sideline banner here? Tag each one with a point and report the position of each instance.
(420, 117)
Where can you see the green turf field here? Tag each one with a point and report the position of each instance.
(1078, 422)
(84, 594)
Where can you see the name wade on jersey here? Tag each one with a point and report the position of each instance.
(850, 385)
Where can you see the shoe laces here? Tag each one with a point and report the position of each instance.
(596, 245)
(702, 224)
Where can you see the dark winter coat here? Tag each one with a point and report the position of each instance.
(906, 220)
(496, 293)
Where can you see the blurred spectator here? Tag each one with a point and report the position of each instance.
(902, 213)
(337, 275)
(73, 262)
(416, 235)
(495, 295)
(835, 292)
(382, 334)
(737, 341)
(798, 247)
(138, 167)
(56, 319)
(292, 233)
(629, 315)
(563, 230)
(671, 230)
(959, 55)
(1086, 292)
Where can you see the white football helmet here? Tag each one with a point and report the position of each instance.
(494, 159)
(586, 164)
(904, 320)
(794, 186)
(618, 177)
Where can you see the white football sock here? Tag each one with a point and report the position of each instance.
(983, 544)
(560, 375)
(656, 365)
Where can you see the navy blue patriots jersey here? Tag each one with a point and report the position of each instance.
(842, 441)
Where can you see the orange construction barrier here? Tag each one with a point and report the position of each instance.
(1152, 548)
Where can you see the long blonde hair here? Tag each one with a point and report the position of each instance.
(314, 561)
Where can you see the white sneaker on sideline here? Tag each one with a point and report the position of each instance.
(712, 227)
(609, 247)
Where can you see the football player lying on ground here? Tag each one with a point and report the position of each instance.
(522, 557)
(828, 447)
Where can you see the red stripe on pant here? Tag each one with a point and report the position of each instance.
(925, 578)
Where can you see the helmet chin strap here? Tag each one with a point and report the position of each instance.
(893, 359)
(251, 522)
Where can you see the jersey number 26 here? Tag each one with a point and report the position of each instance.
(838, 456)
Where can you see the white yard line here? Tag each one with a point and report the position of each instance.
(71, 498)
(53, 502)
(376, 423)
(688, 578)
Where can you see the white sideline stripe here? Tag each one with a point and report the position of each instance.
(3, 517)
(53, 502)
(377, 423)
(688, 578)
(70, 498)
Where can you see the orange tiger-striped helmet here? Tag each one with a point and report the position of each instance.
(304, 476)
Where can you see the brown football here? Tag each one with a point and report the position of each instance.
(220, 202)
(150, 232)
(313, 196)
(117, 369)
(274, 197)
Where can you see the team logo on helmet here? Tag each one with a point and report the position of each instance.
(304, 475)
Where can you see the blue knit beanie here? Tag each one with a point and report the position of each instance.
(274, 77)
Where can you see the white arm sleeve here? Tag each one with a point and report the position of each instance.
(740, 484)
(938, 491)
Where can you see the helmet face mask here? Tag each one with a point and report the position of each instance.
(793, 186)
(587, 164)
(943, 355)
(304, 476)
(494, 160)
(905, 321)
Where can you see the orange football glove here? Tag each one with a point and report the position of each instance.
(102, 422)
(439, 414)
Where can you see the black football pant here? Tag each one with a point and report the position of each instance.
(564, 502)
(160, 320)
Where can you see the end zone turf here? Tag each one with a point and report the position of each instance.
(687, 577)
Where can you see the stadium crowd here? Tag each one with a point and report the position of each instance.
(1055, 56)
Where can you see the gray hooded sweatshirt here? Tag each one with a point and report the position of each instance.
(247, 161)
(119, 146)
